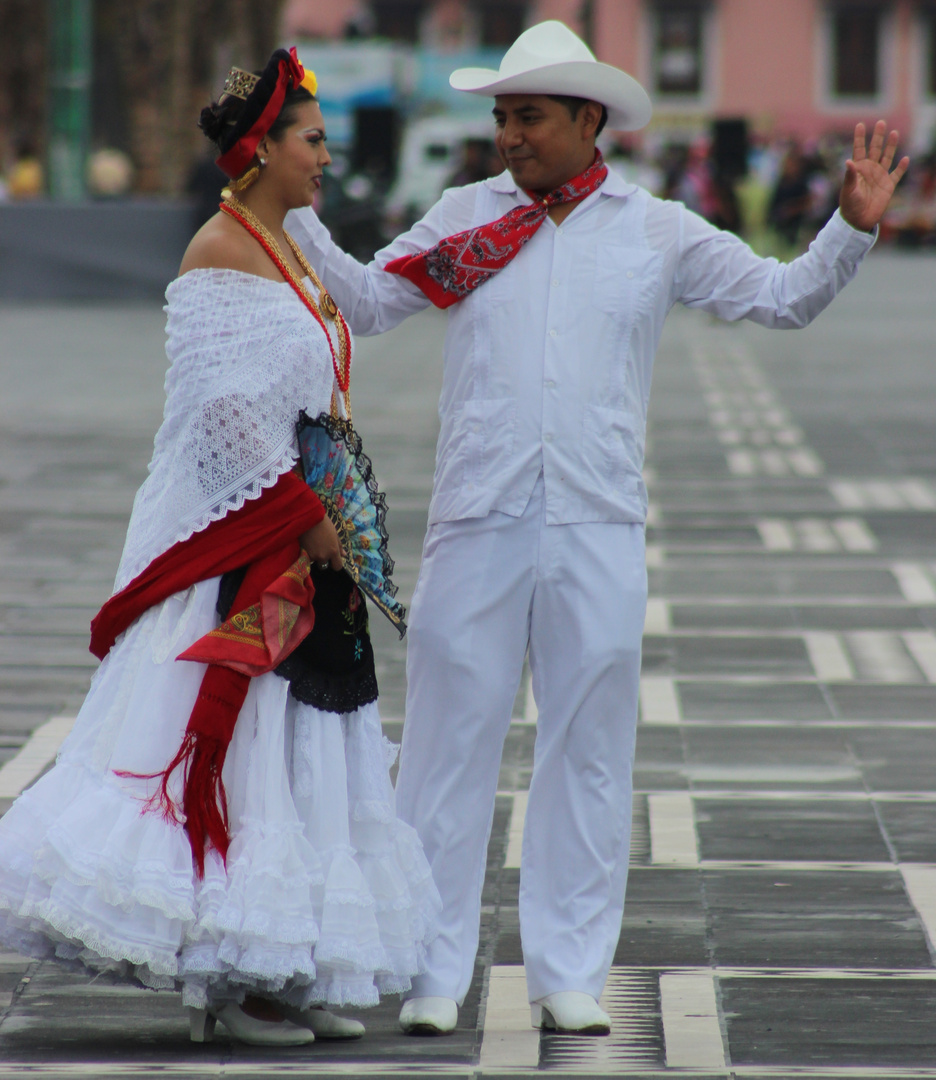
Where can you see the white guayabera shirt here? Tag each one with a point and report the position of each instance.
(548, 364)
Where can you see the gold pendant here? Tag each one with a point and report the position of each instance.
(328, 305)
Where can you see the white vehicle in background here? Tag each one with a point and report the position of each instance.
(431, 152)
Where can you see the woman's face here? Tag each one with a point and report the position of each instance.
(295, 161)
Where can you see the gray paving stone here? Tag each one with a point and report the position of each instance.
(904, 763)
(813, 919)
(665, 921)
(884, 702)
(742, 578)
(903, 535)
(16, 722)
(796, 830)
(660, 760)
(36, 621)
(859, 617)
(706, 535)
(800, 1022)
(767, 497)
(773, 757)
(728, 701)
(733, 616)
(761, 656)
(910, 828)
(57, 652)
(739, 616)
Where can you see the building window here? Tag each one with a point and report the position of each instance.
(856, 64)
(679, 49)
(398, 19)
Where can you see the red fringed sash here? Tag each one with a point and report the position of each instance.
(264, 534)
(457, 265)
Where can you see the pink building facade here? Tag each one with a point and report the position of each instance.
(791, 67)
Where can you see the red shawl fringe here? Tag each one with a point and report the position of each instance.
(263, 534)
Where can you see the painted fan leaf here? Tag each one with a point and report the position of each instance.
(341, 474)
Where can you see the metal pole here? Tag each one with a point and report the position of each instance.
(69, 97)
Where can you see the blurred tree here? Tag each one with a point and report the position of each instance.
(172, 56)
(158, 62)
(23, 77)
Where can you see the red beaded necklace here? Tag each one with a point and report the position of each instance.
(341, 361)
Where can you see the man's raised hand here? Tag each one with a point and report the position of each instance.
(869, 182)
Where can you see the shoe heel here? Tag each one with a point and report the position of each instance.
(201, 1025)
(536, 1015)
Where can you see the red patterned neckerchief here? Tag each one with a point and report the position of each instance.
(457, 265)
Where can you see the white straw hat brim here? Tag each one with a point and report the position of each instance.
(629, 107)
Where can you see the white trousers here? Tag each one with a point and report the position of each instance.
(576, 595)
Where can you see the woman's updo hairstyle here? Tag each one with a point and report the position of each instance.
(219, 119)
(254, 106)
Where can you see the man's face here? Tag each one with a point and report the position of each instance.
(540, 143)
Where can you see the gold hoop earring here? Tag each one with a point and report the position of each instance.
(235, 187)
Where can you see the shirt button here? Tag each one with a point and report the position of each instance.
(630, 273)
(552, 333)
(555, 283)
(549, 437)
(550, 383)
(559, 230)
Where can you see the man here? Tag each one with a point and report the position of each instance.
(558, 276)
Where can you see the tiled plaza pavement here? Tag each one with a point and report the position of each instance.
(781, 911)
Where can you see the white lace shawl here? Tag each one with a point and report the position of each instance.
(245, 355)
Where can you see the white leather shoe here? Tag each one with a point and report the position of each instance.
(247, 1029)
(428, 1016)
(324, 1024)
(570, 1012)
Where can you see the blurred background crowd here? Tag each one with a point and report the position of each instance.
(754, 101)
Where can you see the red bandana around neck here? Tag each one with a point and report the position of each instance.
(457, 265)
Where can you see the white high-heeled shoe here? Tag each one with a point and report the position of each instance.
(247, 1029)
(324, 1024)
(570, 1012)
(429, 1016)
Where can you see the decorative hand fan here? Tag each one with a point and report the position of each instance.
(341, 474)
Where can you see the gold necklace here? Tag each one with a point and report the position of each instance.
(325, 299)
(341, 362)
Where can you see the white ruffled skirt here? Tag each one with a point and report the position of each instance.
(326, 897)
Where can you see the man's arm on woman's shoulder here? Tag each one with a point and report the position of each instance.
(370, 299)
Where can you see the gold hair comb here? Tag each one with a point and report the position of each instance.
(239, 84)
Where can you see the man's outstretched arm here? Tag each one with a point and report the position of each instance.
(720, 274)
(370, 299)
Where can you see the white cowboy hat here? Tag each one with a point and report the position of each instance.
(549, 59)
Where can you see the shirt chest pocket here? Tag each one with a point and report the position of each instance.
(625, 280)
(504, 287)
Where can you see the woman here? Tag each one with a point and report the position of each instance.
(220, 820)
